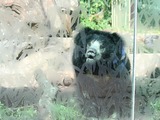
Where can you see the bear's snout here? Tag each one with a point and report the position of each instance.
(91, 53)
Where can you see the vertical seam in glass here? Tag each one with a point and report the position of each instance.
(134, 60)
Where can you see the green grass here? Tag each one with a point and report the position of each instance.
(61, 112)
(58, 112)
(156, 108)
(22, 113)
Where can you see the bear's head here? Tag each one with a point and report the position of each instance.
(97, 52)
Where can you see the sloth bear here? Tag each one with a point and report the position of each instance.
(103, 73)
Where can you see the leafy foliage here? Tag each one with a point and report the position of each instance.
(149, 13)
(96, 13)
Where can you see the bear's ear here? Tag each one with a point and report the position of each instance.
(81, 36)
(87, 30)
(116, 38)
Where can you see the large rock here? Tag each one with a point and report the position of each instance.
(146, 64)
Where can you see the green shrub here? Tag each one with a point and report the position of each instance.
(148, 11)
(96, 13)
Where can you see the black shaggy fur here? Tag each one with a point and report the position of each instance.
(102, 69)
(111, 52)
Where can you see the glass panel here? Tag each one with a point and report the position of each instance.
(148, 59)
(51, 67)
(36, 72)
(101, 60)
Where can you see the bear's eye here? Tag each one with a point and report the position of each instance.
(89, 43)
(102, 47)
(81, 46)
